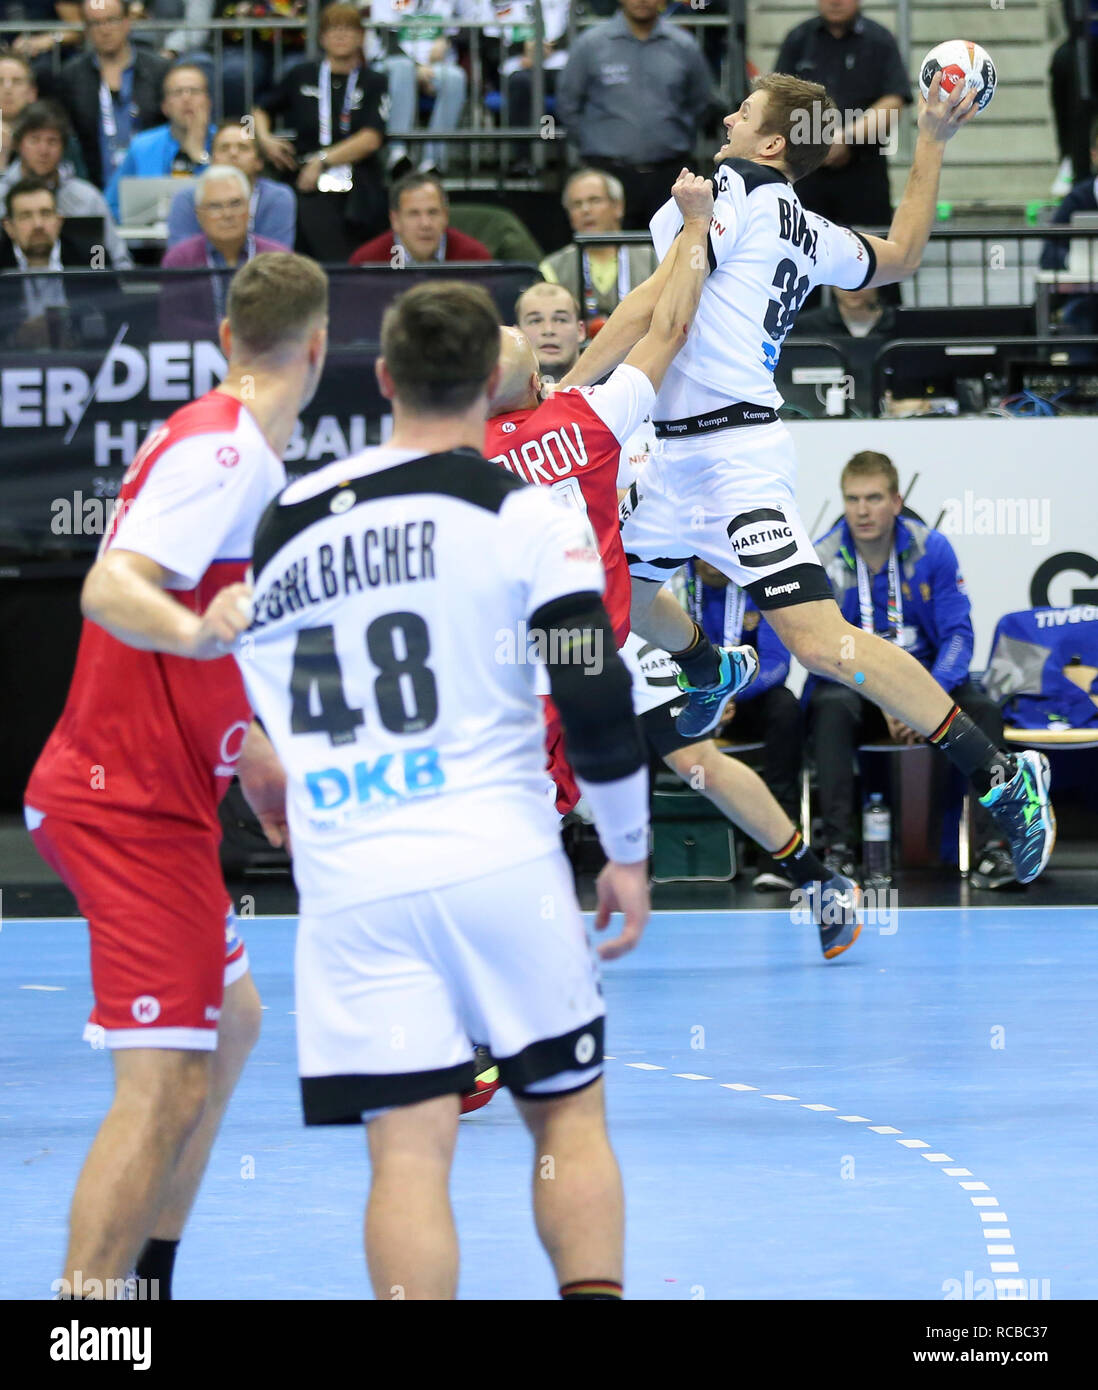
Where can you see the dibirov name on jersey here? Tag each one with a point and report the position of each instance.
(392, 555)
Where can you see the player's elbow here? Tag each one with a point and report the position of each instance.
(92, 594)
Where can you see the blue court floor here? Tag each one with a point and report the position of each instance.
(915, 1120)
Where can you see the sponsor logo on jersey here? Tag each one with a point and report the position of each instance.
(145, 1008)
(585, 1049)
(586, 554)
(508, 427)
(773, 590)
(227, 456)
(387, 782)
(762, 537)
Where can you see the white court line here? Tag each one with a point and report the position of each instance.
(46, 989)
(1004, 1287)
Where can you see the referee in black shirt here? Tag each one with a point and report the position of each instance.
(859, 63)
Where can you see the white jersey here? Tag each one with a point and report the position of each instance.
(766, 253)
(389, 662)
(635, 453)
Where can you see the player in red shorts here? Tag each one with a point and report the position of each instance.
(123, 800)
(572, 441)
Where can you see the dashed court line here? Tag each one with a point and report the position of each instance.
(997, 1236)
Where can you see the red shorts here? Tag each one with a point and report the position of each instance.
(556, 759)
(163, 939)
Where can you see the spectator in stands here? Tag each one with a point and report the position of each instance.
(859, 323)
(1080, 313)
(48, 313)
(767, 711)
(222, 196)
(193, 43)
(1071, 114)
(273, 208)
(17, 90)
(516, 70)
(631, 98)
(39, 141)
(599, 276)
(112, 91)
(895, 576)
(419, 229)
(411, 42)
(550, 317)
(336, 111)
(859, 63)
(179, 148)
(39, 48)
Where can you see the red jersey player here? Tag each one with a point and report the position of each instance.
(572, 441)
(123, 800)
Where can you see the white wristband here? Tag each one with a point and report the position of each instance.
(620, 809)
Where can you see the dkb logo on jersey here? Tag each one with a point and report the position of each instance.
(384, 783)
(762, 537)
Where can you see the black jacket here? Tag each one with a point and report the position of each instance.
(77, 89)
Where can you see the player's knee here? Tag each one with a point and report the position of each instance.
(172, 1092)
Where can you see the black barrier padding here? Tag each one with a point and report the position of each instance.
(80, 391)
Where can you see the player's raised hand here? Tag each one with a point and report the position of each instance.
(622, 888)
(224, 620)
(694, 196)
(942, 115)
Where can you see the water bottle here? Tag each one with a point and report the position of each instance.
(877, 840)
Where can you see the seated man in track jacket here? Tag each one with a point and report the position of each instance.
(898, 577)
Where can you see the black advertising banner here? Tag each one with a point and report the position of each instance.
(82, 383)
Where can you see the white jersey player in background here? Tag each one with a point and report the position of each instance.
(722, 486)
(391, 663)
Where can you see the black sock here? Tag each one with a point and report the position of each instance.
(800, 862)
(156, 1261)
(587, 1290)
(699, 662)
(969, 748)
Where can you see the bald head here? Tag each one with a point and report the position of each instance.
(519, 385)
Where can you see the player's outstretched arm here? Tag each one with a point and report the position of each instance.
(899, 255)
(678, 301)
(126, 594)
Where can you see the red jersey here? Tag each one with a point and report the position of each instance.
(572, 443)
(149, 740)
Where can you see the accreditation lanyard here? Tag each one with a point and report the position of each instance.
(590, 294)
(324, 105)
(115, 145)
(895, 598)
(218, 278)
(735, 602)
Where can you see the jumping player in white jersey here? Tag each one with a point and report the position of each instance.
(403, 600)
(722, 485)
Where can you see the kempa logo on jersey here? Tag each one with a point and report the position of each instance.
(763, 526)
(384, 783)
(773, 590)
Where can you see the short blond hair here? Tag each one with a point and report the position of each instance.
(868, 464)
(275, 300)
(791, 102)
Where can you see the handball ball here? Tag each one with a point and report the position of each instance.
(959, 62)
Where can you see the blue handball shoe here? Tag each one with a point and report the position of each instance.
(705, 705)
